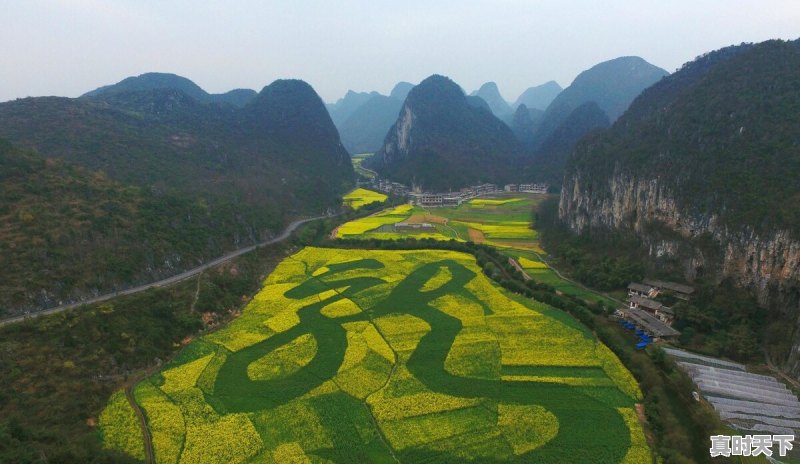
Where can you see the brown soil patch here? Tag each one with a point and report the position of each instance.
(476, 235)
(640, 413)
(418, 218)
(648, 433)
(209, 318)
(436, 219)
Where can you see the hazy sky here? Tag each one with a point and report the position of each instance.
(67, 47)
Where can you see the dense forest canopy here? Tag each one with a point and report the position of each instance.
(721, 134)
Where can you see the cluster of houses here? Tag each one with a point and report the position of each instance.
(386, 186)
(465, 194)
(527, 188)
(452, 198)
(647, 314)
(449, 198)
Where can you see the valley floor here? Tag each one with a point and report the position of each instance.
(388, 356)
(350, 355)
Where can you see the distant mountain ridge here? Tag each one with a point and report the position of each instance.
(552, 154)
(597, 97)
(365, 130)
(163, 81)
(369, 117)
(538, 97)
(347, 105)
(612, 85)
(524, 123)
(441, 142)
(400, 90)
(491, 95)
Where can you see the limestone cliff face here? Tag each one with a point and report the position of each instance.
(400, 143)
(767, 264)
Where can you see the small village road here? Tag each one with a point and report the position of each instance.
(164, 282)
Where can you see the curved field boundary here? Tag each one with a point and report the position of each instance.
(148, 442)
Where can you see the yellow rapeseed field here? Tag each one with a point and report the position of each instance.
(286, 359)
(361, 197)
(530, 264)
(165, 421)
(120, 427)
(526, 427)
(355, 353)
(639, 451)
(363, 225)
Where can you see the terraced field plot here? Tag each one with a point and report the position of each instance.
(362, 197)
(389, 356)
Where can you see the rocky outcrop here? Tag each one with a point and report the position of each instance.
(766, 263)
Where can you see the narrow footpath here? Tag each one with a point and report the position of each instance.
(149, 457)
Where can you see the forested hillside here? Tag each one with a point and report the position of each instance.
(160, 182)
(702, 171)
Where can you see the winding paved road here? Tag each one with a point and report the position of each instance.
(164, 282)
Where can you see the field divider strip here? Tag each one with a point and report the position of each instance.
(146, 438)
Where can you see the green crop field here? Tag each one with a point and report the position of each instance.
(388, 356)
(362, 197)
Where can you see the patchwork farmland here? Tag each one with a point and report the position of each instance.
(388, 356)
(503, 222)
(499, 222)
